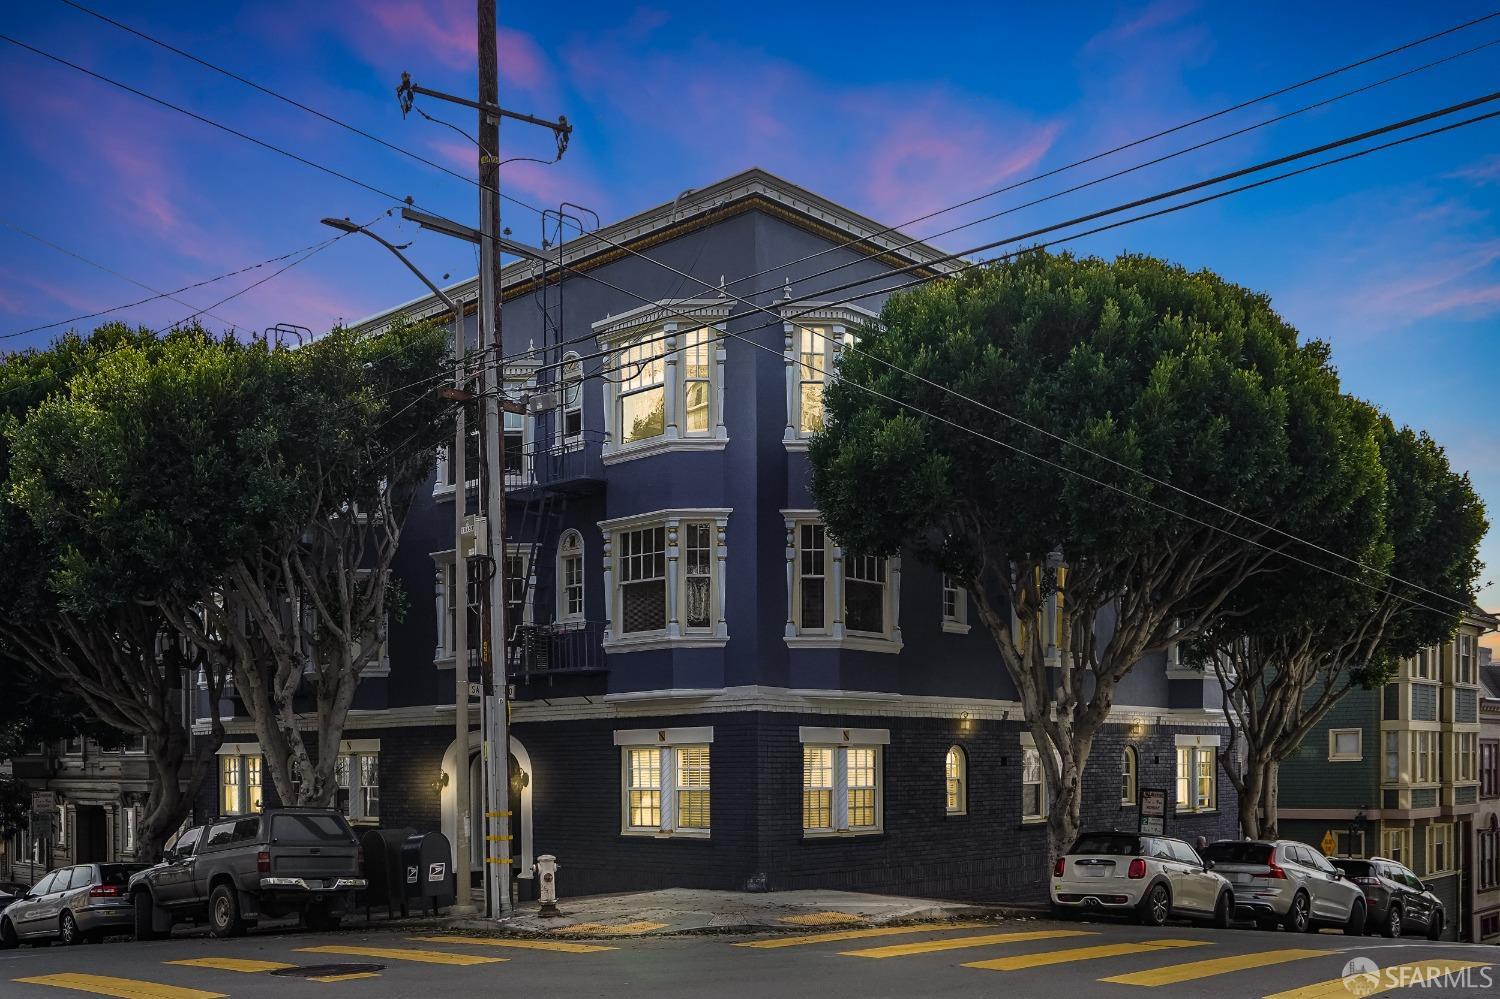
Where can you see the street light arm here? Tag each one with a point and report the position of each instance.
(344, 225)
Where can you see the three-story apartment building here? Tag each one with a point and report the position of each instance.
(708, 689)
(1395, 772)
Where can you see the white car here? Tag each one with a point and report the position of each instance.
(1152, 878)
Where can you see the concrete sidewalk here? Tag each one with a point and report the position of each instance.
(685, 910)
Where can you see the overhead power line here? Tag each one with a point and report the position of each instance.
(990, 245)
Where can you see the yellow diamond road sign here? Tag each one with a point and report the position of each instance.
(1330, 844)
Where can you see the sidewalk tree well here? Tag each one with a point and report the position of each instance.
(1183, 376)
(265, 490)
(1323, 627)
(91, 538)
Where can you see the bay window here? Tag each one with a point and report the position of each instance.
(837, 598)
(665, 391)
(814, 337)
(664, 579)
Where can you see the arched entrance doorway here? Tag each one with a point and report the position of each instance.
(521, 788)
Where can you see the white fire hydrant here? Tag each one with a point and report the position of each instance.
(545, 869)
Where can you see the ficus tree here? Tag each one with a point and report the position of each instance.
(1035, 429)
(272, 542)
(1322, 626)
(94, 540)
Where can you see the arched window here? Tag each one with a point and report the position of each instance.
(1129, 770)
(570, 413)
(956, 770)
(570, 577)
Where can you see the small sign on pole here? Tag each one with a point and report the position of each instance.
(1330, 844)
(1152, 806)
(43, 801)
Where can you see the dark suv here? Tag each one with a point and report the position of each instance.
(229, 874)
(1395, 899)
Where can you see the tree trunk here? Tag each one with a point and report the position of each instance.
(1268, 824)
(1252, 779)
(1063, 812)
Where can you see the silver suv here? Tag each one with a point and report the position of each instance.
(1152, 878)
(1286, 883)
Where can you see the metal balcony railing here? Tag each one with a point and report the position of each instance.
(542, 650)
(574, 465)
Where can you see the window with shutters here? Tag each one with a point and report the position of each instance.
(842, 791)
(665, 575)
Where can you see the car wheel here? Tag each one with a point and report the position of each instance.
(224, 913)
(1157, 906)
(1355, 927)
(1298, 919)
(68, 930)
(1392, 927)
(145, 917)
(1224, 910)
(8, 938)
(1435, 927)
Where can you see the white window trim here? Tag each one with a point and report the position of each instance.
(1195, 745)
(667, 741)
(1028, 745)
(352, 750)
(560, 614)
(1428, 839)
(1334, 756)
(1133, 768)
(840, 740)
(958, 624)
(675, 634)
(667, 318)
(839, 319)
(837, 636)
(559, 436)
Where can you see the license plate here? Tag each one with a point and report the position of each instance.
(1094, 871)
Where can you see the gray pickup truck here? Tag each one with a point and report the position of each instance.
(231, 873)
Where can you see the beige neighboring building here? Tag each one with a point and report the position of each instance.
(1486, 846)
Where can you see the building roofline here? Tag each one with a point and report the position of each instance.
(695, 209)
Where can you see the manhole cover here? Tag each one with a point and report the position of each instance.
(329, 970)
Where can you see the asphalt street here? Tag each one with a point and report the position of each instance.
(1012, 958)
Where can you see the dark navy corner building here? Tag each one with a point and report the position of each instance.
(708, 691)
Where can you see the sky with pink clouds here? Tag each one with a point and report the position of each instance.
(893, 109)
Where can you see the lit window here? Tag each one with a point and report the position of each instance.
(956, 781)
(663, 379)
(1129, 767)
(667, 790)
(642, 393)
(697, 383)
(812, 365)
(841, 789)
(1345, 744)
(570, 577)
(239, 784)
(813, 345)
(1196, 783)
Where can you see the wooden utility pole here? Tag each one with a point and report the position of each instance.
(497, 825)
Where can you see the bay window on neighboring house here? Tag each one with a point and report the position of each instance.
(1197, 781)
(357, 774)
(955, 606)
(1439, 849)
(664, 579)
(842, 780)
(1424, 757)
(569, 606)
(666, 388)
(814, 337)
(1465, 756)
(1392, 772)
(1395, 844)
(1489, 769)
(1464, 659)
(240, 779)
(666, 781)
(838, 599)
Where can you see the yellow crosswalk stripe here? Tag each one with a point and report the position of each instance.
(120, 988)
(1020, 961)
(560, 946)
(1397, 976)
(1174, 973)
(961, 943)
(835, 936)
(403, 954)
(231, 964)
(823, 919)
(611, 929)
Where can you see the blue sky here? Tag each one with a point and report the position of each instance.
(893, 109)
